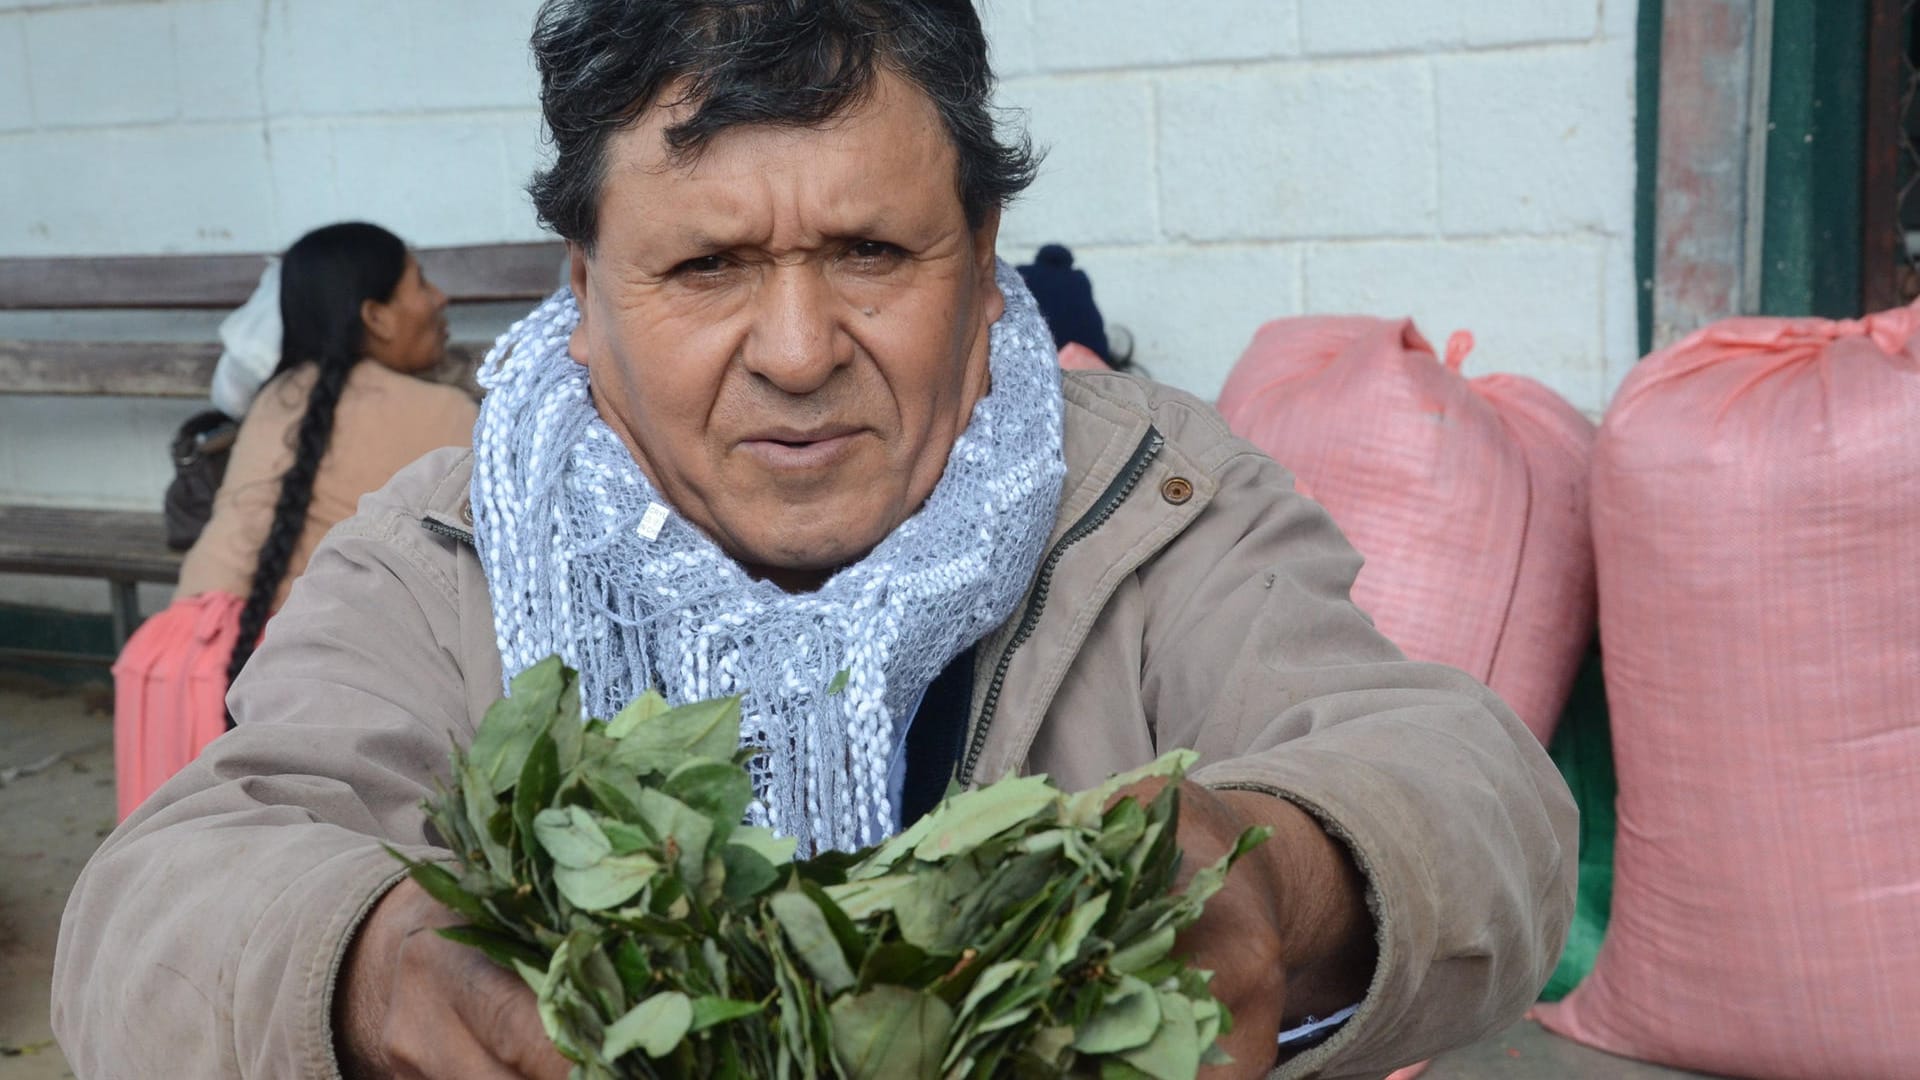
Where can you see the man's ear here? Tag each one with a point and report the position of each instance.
(984, 239)
(577, 281)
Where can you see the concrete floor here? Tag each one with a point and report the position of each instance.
(59, 807)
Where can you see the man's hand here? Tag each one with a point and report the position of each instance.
(412, 1004)
(1288, 936)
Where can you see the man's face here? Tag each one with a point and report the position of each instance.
(791, 331)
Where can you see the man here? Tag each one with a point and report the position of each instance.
(794, 420)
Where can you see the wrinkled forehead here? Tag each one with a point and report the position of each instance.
(885, 161)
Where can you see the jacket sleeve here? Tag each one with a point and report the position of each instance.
(1460, 823)
(204, 936)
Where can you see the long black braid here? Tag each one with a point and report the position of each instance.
(325, 277)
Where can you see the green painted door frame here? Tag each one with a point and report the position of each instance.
(1812, 229)
(1646, 146)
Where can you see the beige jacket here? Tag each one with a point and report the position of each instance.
(383, 422)
(1190, 598)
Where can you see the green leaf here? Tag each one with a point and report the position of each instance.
(812, 938)
(631, 964)
(655, 1026)
(709, 1011)
(929, 913)
(839, 682)
(1174, 1052)
(890, 1033)
(615, 788)
(867, 897)
(640, 711)
(533, 791)
(1208, 880)
(627, 839)
(1079, 924)
(1143, 953)
(992, 979)
(720, 790)
(971, 819)
(703, 729)
(608, 883)
(567, 729)
(571, 837)
(499, 749)
(766, 843)
(444, 887)
(748, 873)
(500, 948)
(551, 992)
(686, 830)
(1130, 1019)
(483, 818)
(535, 976)
(1085, 808)
(1121, 829)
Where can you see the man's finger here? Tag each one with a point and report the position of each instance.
(454, 1055)
(502, 1013)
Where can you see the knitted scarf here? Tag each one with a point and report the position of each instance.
(584, 558)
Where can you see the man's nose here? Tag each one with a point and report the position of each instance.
(795, 342)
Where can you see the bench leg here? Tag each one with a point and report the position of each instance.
(126, 612)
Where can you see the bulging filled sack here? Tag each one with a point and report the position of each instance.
(1756, 509)
(1468, 497)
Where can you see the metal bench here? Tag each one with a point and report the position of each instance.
(126, 548)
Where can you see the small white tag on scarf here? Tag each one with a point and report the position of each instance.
(652, 521)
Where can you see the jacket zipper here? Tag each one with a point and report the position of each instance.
(1095, 517)
(448, 531)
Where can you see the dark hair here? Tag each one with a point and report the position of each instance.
(325, 277)
(795, 63)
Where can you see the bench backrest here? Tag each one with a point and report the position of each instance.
(470, 274)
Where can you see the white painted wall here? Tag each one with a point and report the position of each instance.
(1214, 163)
(1466, 162)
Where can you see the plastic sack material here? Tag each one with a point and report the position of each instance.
(1077, 357)
(1468, 498)
(250, 346)
(170, 692)
(1756, 508)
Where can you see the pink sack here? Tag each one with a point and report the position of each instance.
(170, 692)
(1077, 357)
(1756, 510)
(1467, 497)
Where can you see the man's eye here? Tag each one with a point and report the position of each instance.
(705, 264)
(873, 251)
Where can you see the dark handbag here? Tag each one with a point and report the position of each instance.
(200, 451)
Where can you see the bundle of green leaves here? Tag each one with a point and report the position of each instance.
(1015, 930)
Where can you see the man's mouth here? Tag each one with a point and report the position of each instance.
(800, 449)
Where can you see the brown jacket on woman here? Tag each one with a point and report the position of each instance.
(1191, 599)
(384, 421)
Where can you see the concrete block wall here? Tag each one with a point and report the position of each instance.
(1214, 164)
(235, 125)
(1466, 162)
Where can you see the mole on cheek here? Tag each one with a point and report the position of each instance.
(871, 312)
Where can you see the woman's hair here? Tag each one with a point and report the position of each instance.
(325, 278)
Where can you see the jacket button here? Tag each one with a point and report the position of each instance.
(466, 513)
(1176, 490)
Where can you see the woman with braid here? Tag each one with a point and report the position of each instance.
(342, 413)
